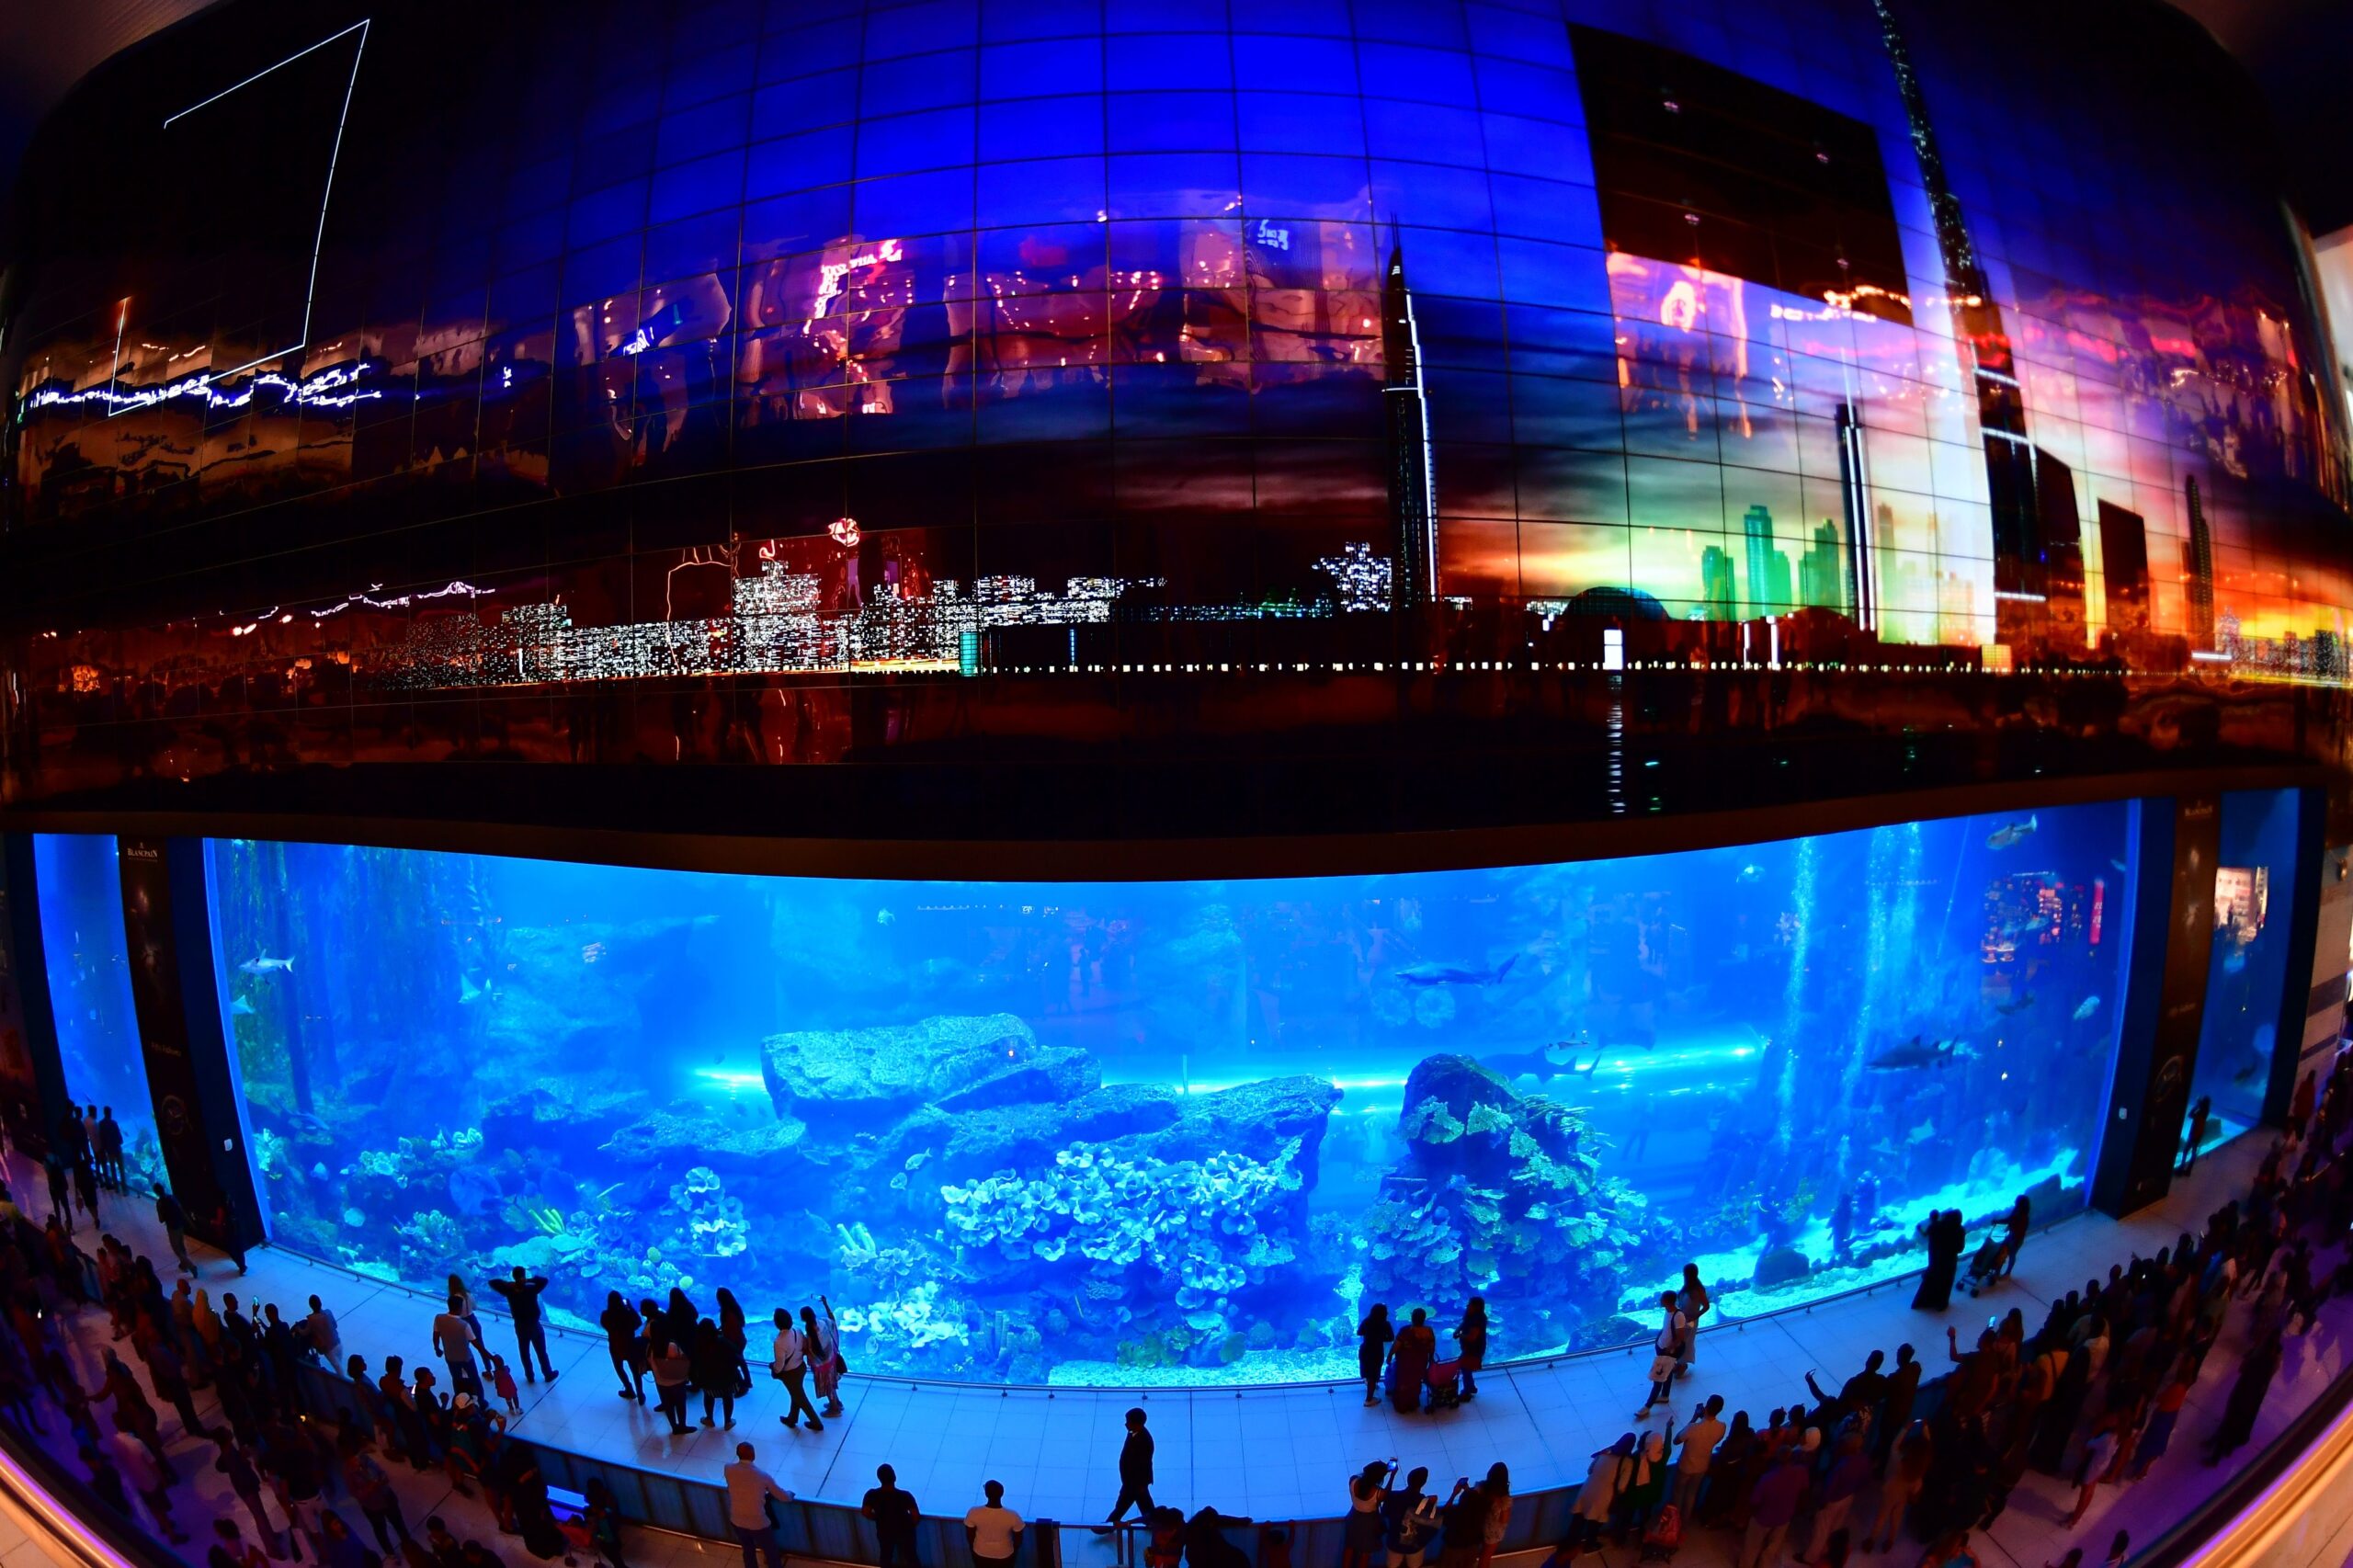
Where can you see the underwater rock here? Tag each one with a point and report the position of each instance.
(1051, 1074)
(665, 1139)
(1255, 1121)
(1497, 1194)
(1023, 1137)
(563, 1112)
(868, 1077)
(1782, 1266)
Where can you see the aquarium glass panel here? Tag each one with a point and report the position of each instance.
(2254, 884)
(78, 884)
(1179, 1131)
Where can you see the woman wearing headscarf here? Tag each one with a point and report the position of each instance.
(1731, 1474)
(1606, 1476)
(1409, 1362)
(1647, 1487)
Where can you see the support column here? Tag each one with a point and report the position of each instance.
(2176, 843)
(32, 1078)
(167, 923)
(2311, 1009)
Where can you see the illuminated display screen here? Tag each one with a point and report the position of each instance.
(965, 339)
(1185, 1132)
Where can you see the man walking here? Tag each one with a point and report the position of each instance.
(788, 1364)
(173, 1218)
(522, 1294)
(749, 1491)
(1135, 1471)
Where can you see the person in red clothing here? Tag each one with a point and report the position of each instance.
(1409, 1362)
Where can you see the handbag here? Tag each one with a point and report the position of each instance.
(1663, 1366)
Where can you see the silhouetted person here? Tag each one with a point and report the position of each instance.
(1135, 1468)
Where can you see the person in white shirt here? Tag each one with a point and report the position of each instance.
(749, 1488)
(993, 1530)
(453, 1341)
(788, 1364)
(325, 1338)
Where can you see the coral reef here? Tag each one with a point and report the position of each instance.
(713, 1224)
(1499, 1195)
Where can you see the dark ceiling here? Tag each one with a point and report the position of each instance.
(2300, 50)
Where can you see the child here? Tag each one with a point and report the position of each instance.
(503, 1382)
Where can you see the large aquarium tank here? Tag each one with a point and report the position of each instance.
(1172, 1132)
(79, 878)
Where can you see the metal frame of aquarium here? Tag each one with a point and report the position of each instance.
(2118, 1174)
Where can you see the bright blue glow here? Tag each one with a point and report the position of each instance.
(79, 882)
(1182, 1130)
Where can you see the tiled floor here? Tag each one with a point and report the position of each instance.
(18, 1550)
(1285, 1453)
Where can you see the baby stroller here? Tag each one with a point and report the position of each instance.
(1445, 1381)
(1986, 1268)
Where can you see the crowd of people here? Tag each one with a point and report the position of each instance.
(2092, 1395)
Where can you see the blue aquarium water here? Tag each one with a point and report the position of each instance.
(1179, 1131)
(79, 883)
(2248, 963)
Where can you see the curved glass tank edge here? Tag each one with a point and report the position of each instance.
(86, 953)
(1142, 1134)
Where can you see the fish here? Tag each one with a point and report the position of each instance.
(592, 952)
(884, 917)
(468, 991)
(1454, 973)
(1748, 874)
(1555, 1061)
(1921, 1052)
(2031, 926)
(241, 1008)
(262, 963)
(2086, 1007)
(2235, 960)
(1921, 1133)
(2010, 835)
(2011, 1008)
(2120, 864)
(354, 1218)
(2248, 1073)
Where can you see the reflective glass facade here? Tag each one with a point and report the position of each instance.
(998, 336)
